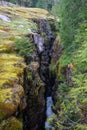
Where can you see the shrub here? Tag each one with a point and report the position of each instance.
(23, 46)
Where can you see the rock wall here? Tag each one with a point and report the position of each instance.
(38, 69)
(20, 84)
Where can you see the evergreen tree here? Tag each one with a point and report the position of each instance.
(20, 2)
(33, 3)
(45, 4)
(71, 14)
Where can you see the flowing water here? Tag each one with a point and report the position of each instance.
(49, 112)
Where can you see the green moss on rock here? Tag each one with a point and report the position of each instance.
(11, 124)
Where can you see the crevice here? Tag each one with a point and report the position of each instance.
(43, 42)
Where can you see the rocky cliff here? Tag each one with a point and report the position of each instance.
(22, 86)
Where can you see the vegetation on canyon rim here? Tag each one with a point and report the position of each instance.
(24, 47)
(12, 65)
(70, 68)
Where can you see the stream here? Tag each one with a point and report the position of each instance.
(39, 41)
(45, 52)
(49, 112)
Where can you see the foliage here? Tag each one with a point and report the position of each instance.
(46, 4)
(23, 46)
(11, 124)
(70, 14)
(33, 3)
(71, 101)
(20, 2)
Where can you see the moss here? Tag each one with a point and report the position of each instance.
(11, 124)
(22, 12)
(81, 127)
(21, 19)
(23, 23)
(24, 47)
(10, 99)
(11, 92)
(11, 68)
(6, 47)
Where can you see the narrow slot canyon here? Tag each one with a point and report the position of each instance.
(43, 65)
(39, 107)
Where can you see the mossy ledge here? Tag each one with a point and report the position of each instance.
(21, 22)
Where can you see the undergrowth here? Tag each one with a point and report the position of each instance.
(24, 47)
(71, 101)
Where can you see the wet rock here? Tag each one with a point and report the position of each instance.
(10, 100)
(39, 41)
(34, 66)
(35, 99)
(4, 18)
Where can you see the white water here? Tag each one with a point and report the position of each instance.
(49, 112)
(4, 18)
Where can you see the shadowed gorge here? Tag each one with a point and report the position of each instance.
(37, 105)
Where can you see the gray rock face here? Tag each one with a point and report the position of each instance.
(38, 79)
(39, 41)
(4, 18)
